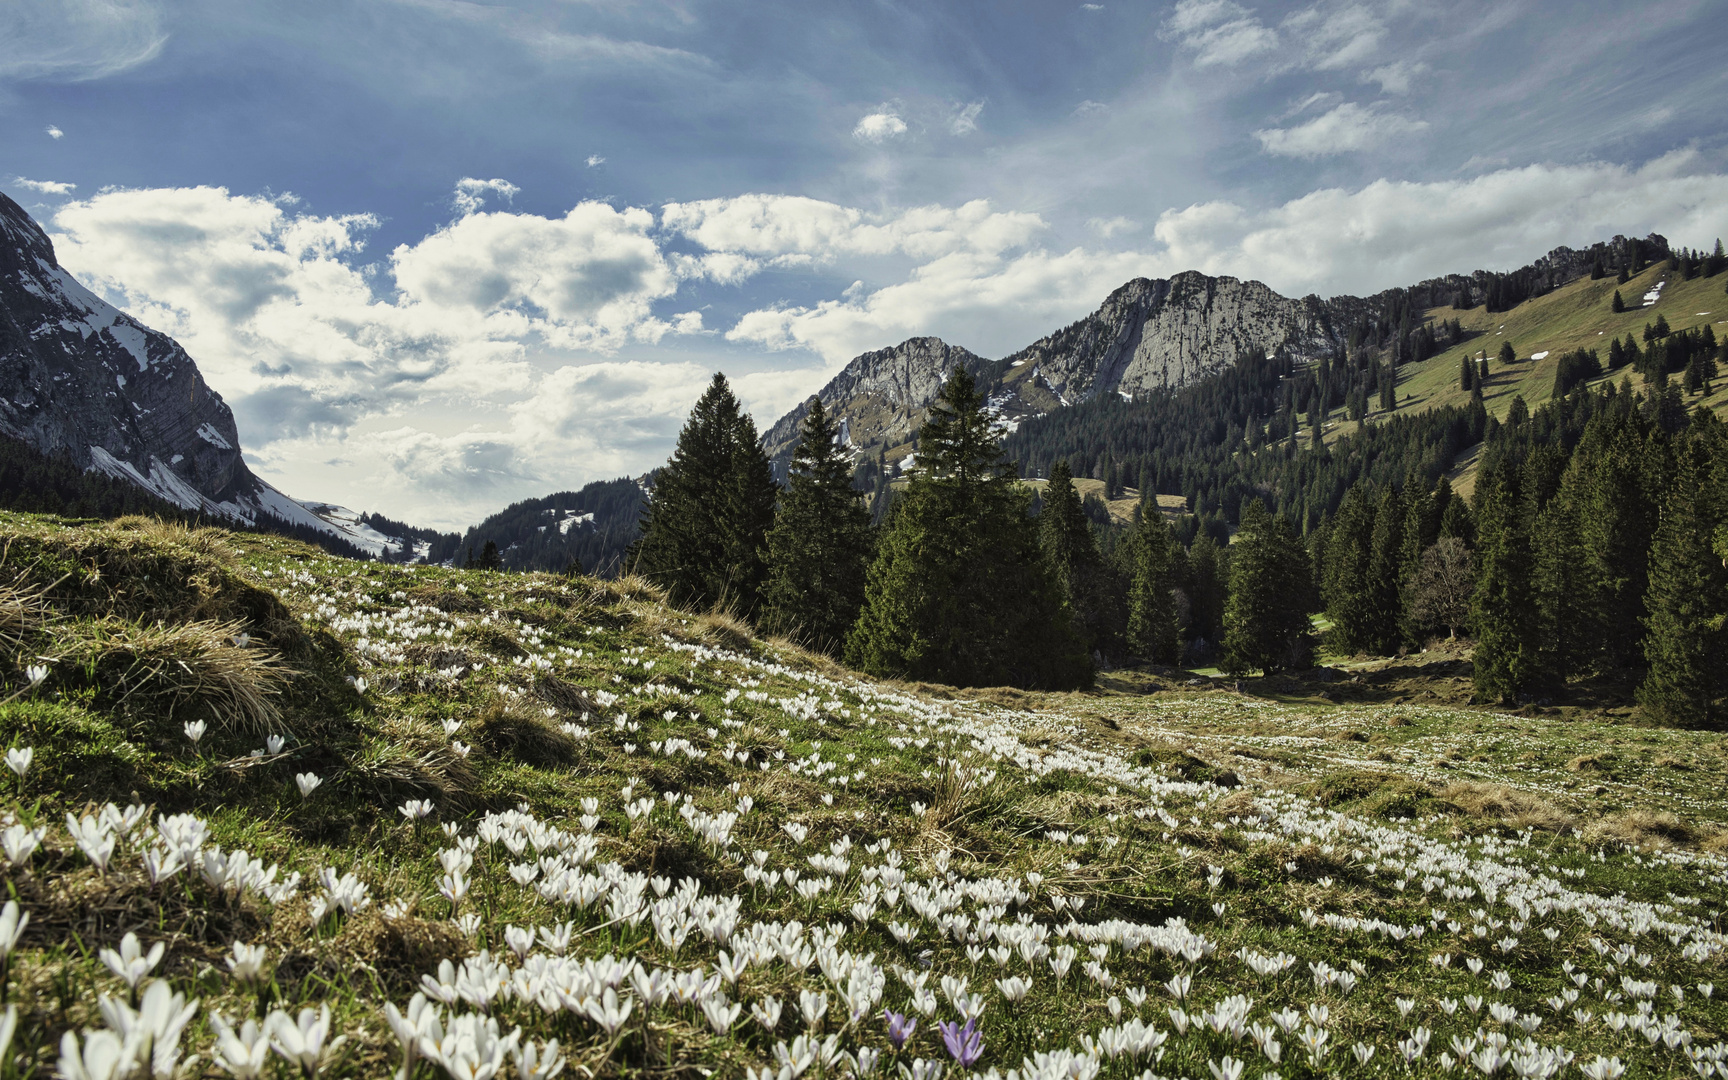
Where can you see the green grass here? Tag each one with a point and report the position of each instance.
(1345, 820)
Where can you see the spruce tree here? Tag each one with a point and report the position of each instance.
(1687, 641)
(1265, 616)
(1385, 574)
(959, 591)
(1206, 593)
(1618, 305)
(703, 536)
(1071, 552)
(1502, 613)
(1349, 553)
(1152, 624)
(1466, 373)
(819, 545)
(1508, 354)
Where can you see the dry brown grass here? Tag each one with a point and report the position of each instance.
(1507, 806)
(412, 759)
(509, 730)
(158, 668)
(1642, 829)
(22, 613)
(723, 629)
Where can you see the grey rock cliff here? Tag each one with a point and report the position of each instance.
(82, 378)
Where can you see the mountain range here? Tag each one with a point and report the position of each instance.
(81, 380)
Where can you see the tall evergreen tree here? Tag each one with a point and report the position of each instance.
(1687, 643)
(959, 590)
(703, 537)
(1385, 573)
(1349, 553)
(1206, 592)
(1617, 305)
(1071, 551)
(1266, 614)
(1152, 628)
(1508, 354)
(819, 545)
(1502, 613)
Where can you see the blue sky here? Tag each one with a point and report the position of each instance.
(443, 255)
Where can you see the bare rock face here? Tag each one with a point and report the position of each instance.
(1147, 335)
(882, 396)
(80, 377)
(1162, 334)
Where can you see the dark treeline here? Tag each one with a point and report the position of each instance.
(1596, 545)
(553, 533)
(38, 483)
(1242, 434)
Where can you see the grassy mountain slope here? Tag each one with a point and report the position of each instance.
(1575, 316)
(1354, 873)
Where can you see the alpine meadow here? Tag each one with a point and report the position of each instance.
(896, 542)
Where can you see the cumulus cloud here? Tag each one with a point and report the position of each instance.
(1110, 226)
(1392, 232)
(318, 352)
(54, 132)
(1219, 32)
(880, 126)
(471, 194)
(1346, 128)
(77, 40)
(44, 187)
(595, 161)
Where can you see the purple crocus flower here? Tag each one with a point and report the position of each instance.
(965, 1044)
(899, 1028)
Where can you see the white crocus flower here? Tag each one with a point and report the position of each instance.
(36, 673)
(241, 1054)
(19, 843)
(131, 962)
(539, 1064)
(18, 759)
(303, 1041)
(308, 783)
(418, 1027)
(102, 1056)
(195, 730)
(246, 962)
(154, 1029)
(94, 840)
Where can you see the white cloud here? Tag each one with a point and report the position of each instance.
(1394, 78)
(1091, 7)
(787, 225)
(1090, 108)
(1396, 233)
(44, 187)
(1349, 127)
(1108, 227)
(471, 194)
(1219, 32)
(53, 132)
(595, 160)
(78, 40)
(965, 118)
(880, 126)
(319, 355)
(1336, 35)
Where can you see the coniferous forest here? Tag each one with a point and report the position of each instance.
(1592, 551)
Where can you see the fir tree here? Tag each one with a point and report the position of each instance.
(1206, 591)
(1349, 552)
(704, 534)
(1688, 597)
(1385, 574)
(1618, 305)
(1502, 613)
(1508, 354)
(959, 590)
(1152, 628)
(1466, 373)
(1266, 614)
(819, 545)
(1071, 551)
